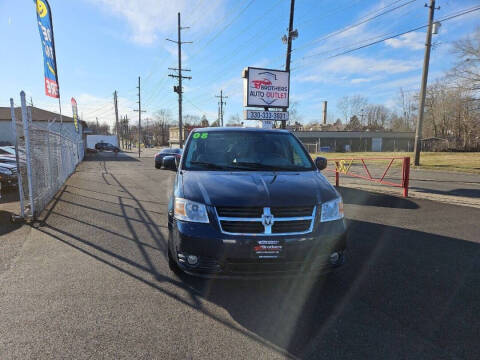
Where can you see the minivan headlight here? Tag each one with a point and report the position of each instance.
(187, 210)
(332, 210)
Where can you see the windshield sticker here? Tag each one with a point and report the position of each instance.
(200, 135)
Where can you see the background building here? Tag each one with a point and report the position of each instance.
(345, 141)
(40, 118)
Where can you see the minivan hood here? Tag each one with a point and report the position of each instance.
(256, 188)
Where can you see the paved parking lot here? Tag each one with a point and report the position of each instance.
(91, 280)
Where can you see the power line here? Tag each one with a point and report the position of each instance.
(223, 29)
(368, 19)
(392, 37)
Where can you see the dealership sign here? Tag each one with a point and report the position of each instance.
(266, 88)
(265, 115)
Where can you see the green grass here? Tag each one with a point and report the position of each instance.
(446, 161)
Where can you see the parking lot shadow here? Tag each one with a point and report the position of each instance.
(108, 156)
(9, 196)
(368, 198)
(6, 225)
(402, 294)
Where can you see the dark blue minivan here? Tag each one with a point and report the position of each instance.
(251, 202)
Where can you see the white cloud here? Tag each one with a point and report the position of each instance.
(150, 18)
(356, 69)
(361, 80)
(368, 65)
(412, 41)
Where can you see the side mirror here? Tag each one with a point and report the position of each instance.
(170, 163)
(321, 163)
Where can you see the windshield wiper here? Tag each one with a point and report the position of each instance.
(209, 165)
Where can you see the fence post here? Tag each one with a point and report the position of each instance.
(50, 167)
(28, 159)
(17, 157)
(405, 175)
(337, 174)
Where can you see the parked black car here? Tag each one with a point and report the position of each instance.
(8, 175)
(103, 146)
(252, 202)
(175, 152)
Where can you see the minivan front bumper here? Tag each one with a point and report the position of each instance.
(222, 255)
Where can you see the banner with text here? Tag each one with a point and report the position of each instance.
(45, 27)
(75, 113)
(266, 88)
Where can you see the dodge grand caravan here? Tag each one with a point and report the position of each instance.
(251, 202)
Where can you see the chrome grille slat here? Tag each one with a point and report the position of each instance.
(254, 225)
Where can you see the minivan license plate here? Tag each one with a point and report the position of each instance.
(268, 249)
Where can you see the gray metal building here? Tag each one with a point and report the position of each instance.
(344, 141)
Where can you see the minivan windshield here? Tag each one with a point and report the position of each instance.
(245, 151)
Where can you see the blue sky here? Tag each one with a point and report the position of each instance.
(104, 45)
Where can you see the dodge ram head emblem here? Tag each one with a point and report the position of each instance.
(267, 219)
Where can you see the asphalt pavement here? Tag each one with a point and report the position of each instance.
(90, 279)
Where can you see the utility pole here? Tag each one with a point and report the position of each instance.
(220, 104)
(139, 117)
(178, 89)
(115, 103)
(423, 89)
(292, 34)
(97, 124)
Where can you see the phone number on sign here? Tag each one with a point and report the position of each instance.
(267, 115)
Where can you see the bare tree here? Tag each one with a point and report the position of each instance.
(234, 120)
(408, 105)
(466, 71)
(101, 129)
(293, 115)
(377, 116)
(351, 105)
(162, 122)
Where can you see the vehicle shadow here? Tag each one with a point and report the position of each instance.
(471, 193)
(402, 292)
(368, 198)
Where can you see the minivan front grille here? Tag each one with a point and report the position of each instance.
(242, 212)
(290, 226)
(251, 227)
(292, 211)
(266, 221)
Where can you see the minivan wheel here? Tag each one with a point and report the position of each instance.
(172, 265)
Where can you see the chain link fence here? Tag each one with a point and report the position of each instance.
(47, 154)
